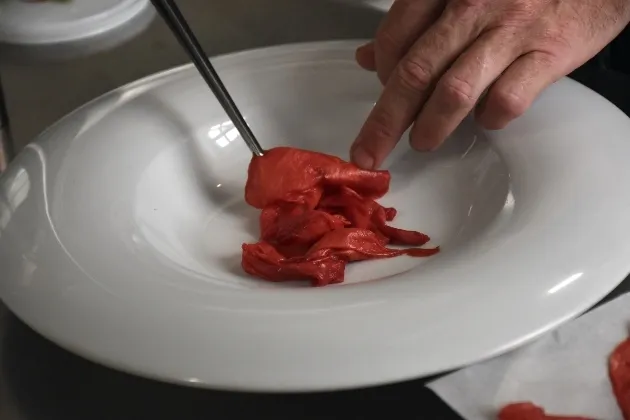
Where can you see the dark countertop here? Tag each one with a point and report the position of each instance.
(40, 381)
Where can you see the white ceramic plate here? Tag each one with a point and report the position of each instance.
(53, 31)
(121, 226)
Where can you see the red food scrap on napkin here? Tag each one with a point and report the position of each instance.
(619, 374)
(319, 213)
(529, 411)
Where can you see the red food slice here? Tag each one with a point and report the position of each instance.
(325, 262)
(297, 226)
(318, 213)
(264, 261)
(619, 373)
(286, 170)
(529, 411)
(363, 212)
(294, 231)
(359, 210)
(355, 244)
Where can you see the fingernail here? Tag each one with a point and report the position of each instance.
(362, 158)
(366, 45)
(422, 145)
(418, 145)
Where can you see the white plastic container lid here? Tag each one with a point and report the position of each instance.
(53, 30)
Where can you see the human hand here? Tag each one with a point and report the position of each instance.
(437, 58)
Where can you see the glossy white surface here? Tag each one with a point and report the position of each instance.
(69, 29)
(120, 231)
(383, 5)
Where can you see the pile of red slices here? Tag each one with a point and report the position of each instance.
(318, 214)
(619, 373)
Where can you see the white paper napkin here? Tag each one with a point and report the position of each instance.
(565, 372)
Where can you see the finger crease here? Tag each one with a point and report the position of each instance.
(461, 88)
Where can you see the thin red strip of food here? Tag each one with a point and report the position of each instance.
(318, 213)
(529, 411)
(363, 212)
(355, 244)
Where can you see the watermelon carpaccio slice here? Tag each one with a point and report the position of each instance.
(318, 213)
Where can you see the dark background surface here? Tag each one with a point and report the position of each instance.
(609, 72)
(40, 381)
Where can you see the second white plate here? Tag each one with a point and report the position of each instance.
(34, 31)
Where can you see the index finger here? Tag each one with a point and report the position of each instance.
(388, 120)
(410, 85)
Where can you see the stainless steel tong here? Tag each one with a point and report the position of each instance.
(178, 25)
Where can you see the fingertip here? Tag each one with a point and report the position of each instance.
(488, 116)
(421, 143)
(362, 158)
(499, 108)
(365, 57)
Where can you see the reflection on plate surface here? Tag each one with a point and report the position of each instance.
(121, 226)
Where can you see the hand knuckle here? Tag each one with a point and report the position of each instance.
(510, 103)
(414, 75)
(553, 36)
(458, 92)
(544, 59)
